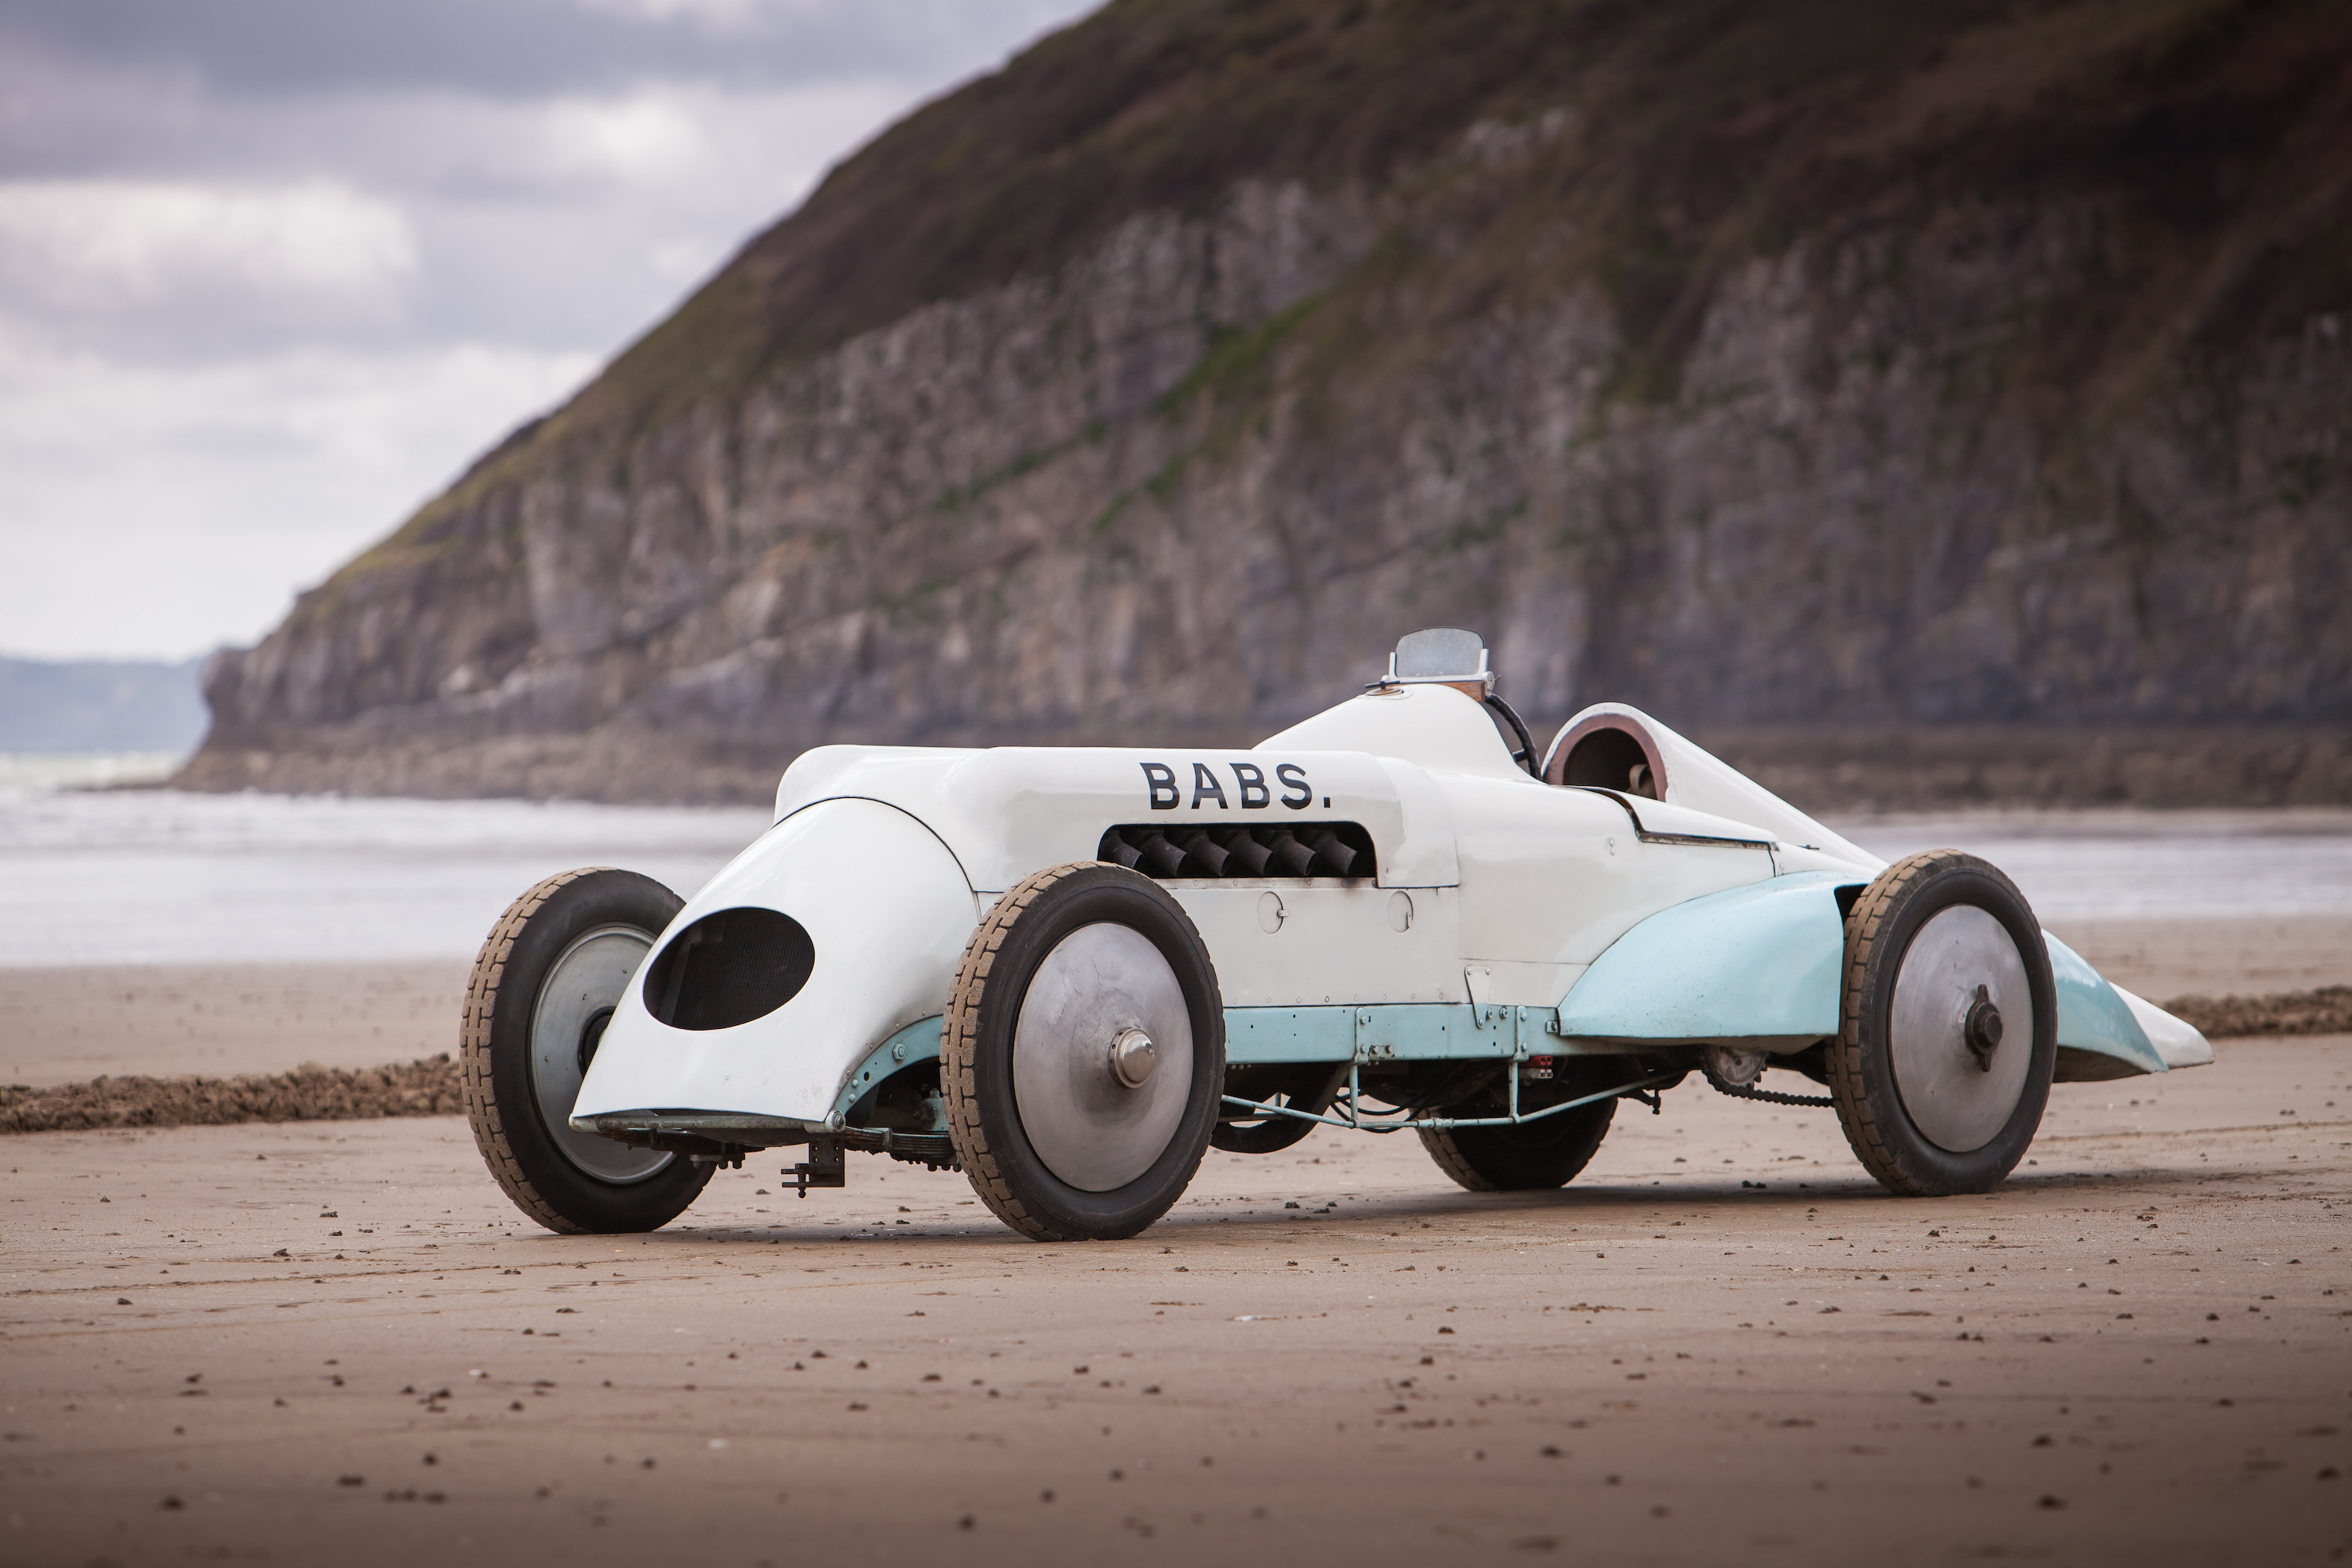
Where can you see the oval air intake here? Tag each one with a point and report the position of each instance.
(729, 967)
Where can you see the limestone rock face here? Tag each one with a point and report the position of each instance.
(1190, 482)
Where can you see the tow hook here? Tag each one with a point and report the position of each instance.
(823, 1167)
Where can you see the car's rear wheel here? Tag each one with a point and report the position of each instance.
(1949, 1029)
(1545, 1153)
(1307, 1090)
(1084, 1054)
(544, 984)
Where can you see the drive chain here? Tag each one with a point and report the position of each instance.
(1771, 1098)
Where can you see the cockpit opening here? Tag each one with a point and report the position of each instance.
(1610, 752)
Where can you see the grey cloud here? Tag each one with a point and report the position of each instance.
(436, 216)
(519, 232)
(503, 47)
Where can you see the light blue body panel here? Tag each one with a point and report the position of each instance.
(1759, 962)
(1433, 1031)
(2091, 1017)
(1765, 963)
(1399, 1032)
(1290, 1034)
(919, 1042)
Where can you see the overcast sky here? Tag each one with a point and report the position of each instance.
(272, 271)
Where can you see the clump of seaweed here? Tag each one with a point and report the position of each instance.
(2328, 1010)
(426, 1087)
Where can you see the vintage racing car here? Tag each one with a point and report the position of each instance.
(1070, 971)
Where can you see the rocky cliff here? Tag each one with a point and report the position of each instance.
(1826, 369)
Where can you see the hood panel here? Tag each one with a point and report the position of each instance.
(888, 911)
(1009, 811)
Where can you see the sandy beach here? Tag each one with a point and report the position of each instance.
(61, 1025)
(746, 514)
(276, 1342)
(246, 1341)
(64, 1025)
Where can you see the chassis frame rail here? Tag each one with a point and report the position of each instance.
(1353, 1119)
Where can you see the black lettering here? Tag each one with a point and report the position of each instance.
(1255, 796)
(1294, 777)
(1160, 780)
(1204, 784)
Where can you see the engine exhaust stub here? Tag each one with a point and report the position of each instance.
(1244, 856)
(1295, 857)
(1229, 851)
(1161, 858)
(1203, 856)
(1332, 857)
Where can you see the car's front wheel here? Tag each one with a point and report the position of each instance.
(546, 982)
(1084, 1053)
(1949, 1029)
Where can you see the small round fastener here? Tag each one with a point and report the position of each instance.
(1133, 1057)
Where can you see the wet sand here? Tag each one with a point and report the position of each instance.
(65, 1024)
(290, 1343)
(305, 1341)
(2165, 958)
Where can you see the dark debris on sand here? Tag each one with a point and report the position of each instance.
(2328, 1010)
(427, 1087)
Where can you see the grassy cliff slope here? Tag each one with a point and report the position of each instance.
(2060, 282)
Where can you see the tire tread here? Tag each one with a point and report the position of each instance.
(1868, 938)
(474, 1052)
(960, 1041)
(1446, 1151)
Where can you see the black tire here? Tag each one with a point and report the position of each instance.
(569, 1182)
(1307, 1089)
(1533, 1155)
(1955, 1132)
(984, 1116)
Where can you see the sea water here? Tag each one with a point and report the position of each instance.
(157, 877)
(116, 876)
(2145, 865)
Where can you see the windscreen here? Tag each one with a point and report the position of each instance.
(1440, 654)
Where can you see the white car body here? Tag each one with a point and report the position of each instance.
(1507, 916)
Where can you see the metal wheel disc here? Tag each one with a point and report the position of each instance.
(1958, 1100)
(584, 986)
(1091, 1128)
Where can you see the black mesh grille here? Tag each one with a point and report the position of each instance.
(1275, 850)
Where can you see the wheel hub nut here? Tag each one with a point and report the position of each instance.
(1132, 1058)
(1982, 1033)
